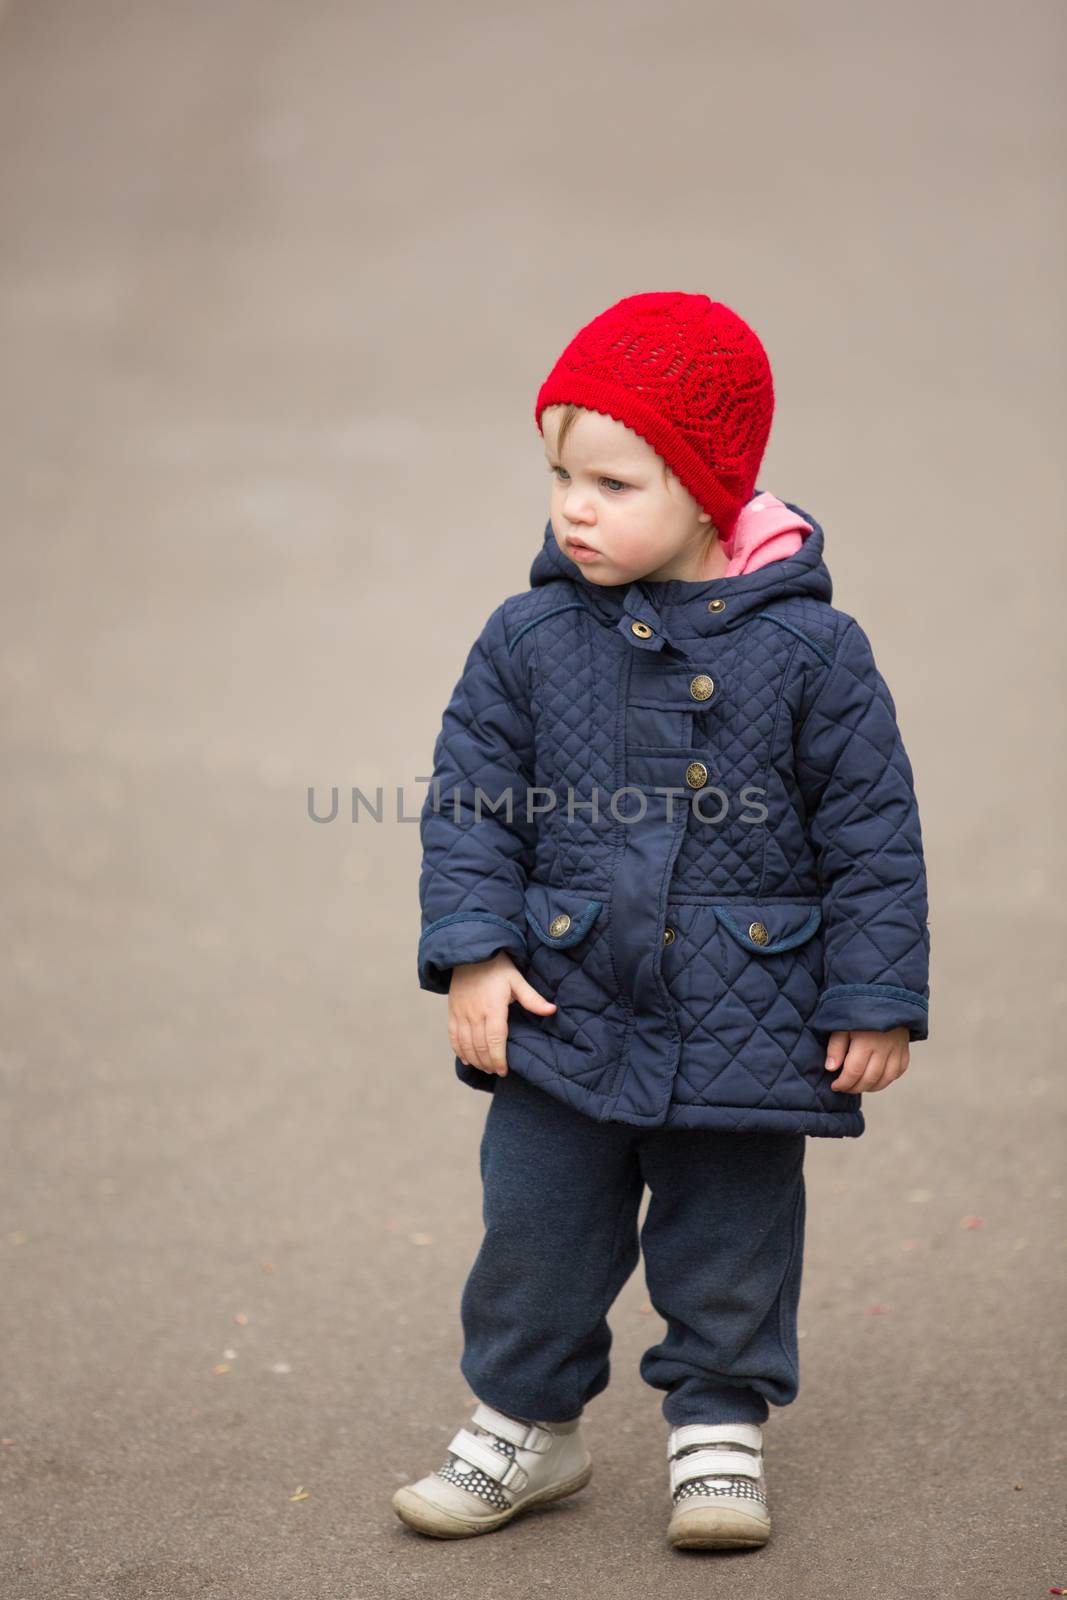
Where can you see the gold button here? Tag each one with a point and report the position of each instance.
(668, 934)
(758, 933)
(642, 630)
(716, 605)
(696, 774)
(702, 687)
(559, 925)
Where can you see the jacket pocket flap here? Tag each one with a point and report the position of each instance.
(560, 917)
(767, 929)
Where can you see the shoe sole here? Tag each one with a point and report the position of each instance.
(425, 1517)
(716, 1528)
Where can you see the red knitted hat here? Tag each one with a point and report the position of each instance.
(690, 377)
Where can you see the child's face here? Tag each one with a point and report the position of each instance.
(609, 491)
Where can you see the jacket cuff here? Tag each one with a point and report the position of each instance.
(464, 936)
(856, 1007)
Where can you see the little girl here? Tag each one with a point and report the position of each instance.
(673, 880)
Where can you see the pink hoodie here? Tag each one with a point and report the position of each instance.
(765, 531)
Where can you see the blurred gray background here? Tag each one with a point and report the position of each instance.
(278, 284)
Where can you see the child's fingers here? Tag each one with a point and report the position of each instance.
(874, 1074)
(853, 1068)
(895, 1068)
(469, 1050)
(460, 1046)
(492, 1037)
(461, 1039)
(891, 1062)
(836, 1049)
(528, 996)
(480, 1046)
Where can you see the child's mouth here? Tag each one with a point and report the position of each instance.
(580, 551)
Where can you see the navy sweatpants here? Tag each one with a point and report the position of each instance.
(723, 1245)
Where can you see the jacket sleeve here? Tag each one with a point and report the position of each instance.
(477, 844)
(864, 824)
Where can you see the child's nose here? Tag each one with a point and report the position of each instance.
(576, 507)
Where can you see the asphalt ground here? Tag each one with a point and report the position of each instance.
(277, 286)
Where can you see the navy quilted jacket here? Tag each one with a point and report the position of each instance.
(713, 858)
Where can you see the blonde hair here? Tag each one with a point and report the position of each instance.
(566, 422)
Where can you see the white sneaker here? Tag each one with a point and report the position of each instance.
(718, 1486)
(496, 1468)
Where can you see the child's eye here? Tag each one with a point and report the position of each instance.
(614, 484)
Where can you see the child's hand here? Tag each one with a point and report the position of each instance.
(478, 1000)
(873, 1059)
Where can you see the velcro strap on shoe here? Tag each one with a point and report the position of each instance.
(690, 1434)
(712, 1464)
(495, 1464)
(526, 1435)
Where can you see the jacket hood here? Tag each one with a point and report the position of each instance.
(679, 605)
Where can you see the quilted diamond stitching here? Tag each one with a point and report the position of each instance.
(800, 710)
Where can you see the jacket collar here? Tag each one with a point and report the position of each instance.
(677, 611)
